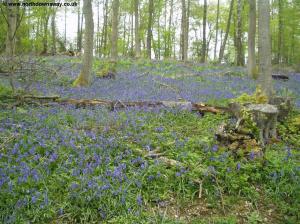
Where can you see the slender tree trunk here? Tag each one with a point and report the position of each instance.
(203, 52)
(65, 40)
(280, 32)
(45, 38)
(240, 49)
(165, 30)
(78, 27)
(136, 29)
(149, 33)
(114, 32)
(158, 35)
(222, 50)
(124, 35)
(170, 47)
(251, 38)
(84, 76)
(98, 30)
(186, 33)
(132, 36)
(81, 31)
(53, 29)
(264, 47)
(11, 31)
(217, 30)
(183, 30)
(10, 39)
(104, 30)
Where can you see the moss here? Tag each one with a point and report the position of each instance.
(80, 81)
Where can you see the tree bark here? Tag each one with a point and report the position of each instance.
(53, 30)
(239, 43)
(136, 29)
(183, 30)
(84, 76)
(149, 33)
(264, 48)
(222, 50)
(217, 30)
(169, 54)
(104, 30)
(78, 28)
(11, 30)
(251, 38)
(45, 38)
(114, 32)
(204, 43)
(280, 32)
(65, 34)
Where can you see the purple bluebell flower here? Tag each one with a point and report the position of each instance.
(139, 200)
(238, 166)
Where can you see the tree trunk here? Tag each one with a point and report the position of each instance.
(264, 47)
(217, 30)
(149, 33)
(280, 32)
(53, 30)
(239, 43)
(78, 28)
(169, 54)
(187, 28)
(183, 30)
(104, 30)
(203, 52)
(114, 32)
(98, 30)
(45, 38)
(158, 34)
(11, 30)
(136, 29)
(251, 38)
(65, 40)
(84, 76)
(222, 50)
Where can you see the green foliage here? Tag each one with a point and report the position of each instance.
(4, 90)
(258, 98)
(105, 68)
(289, 130)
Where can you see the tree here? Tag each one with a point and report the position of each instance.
(149, 32)
(136, 29)
(280, 32)
(104, 30)
(203, 52)
(264, 47)
(222, 50)
(239, 36)
(217, 30)
(251, 38)
(46, 16)
(183, 31)
(79, 28)
(84, 76)
(114, 32)
(11, 20)
(53, 30)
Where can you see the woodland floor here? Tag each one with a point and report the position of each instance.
(61, 164)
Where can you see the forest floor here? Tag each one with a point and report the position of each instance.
(62, 164)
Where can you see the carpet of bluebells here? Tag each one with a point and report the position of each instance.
(61, 164)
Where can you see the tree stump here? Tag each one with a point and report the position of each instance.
(265, 117)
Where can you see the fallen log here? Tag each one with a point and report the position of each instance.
(114, 104)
